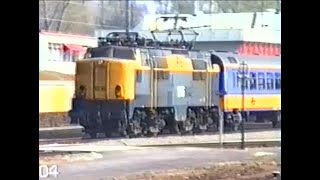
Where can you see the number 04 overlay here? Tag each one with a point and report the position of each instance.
(46, 171)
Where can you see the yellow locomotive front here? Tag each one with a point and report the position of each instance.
(105, 79)
(104, 86)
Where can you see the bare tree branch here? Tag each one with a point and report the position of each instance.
(52, 10)
(61, 13)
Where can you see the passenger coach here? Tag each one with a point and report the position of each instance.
(262, 89)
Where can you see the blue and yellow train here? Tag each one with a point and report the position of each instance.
(262, 87)
(139, 88)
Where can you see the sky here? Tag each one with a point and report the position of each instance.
(151, 6)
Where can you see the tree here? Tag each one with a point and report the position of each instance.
(78, 20)
(246, 6)
(176, 7)
(112, 14)
(183, 7)
(50, 12)
(65, 16)
(235, 6)
(164, 6)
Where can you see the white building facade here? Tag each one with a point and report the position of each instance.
(58, 52)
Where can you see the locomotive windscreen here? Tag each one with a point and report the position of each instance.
(114, 52)
(123, 53)
(101, 52)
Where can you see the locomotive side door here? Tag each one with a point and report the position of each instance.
(99, 80)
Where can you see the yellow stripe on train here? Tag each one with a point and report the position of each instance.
(252, 102)
(55, 96)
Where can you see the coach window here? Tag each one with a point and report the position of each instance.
(278, 80)
(235, 79)
(261, 81)
(269, 81)
(253, 81)
(239, 80)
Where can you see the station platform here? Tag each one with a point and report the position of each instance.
(61, 132)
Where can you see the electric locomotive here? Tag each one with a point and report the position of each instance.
(133, 86)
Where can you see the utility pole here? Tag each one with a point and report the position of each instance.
(243, 72)
(102, 14)
(221, 124)
(127, 17)
(278, 6)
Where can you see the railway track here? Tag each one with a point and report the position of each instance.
(73, 140)
(69, 149)
(76, 140)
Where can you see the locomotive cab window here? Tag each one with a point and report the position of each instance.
(123, 53)
(277, 80)
(101, 52)
(269, 81)
(261, 81)
(253, 81)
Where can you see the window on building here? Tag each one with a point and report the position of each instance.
(270, 81)
(278, 80)
(253, 81)
(55, 52)
(238, 76)
(261, 81)
(65, 52)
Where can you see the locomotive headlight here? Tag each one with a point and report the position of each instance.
(118, 91)
(100, 62)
